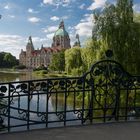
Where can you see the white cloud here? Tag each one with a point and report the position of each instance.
(65, 17)
(50, 36)
(97, 4)
(10, 40)
(48, 1)
(11, 16)
(70, 28)
(30, 10)
(54, 18)
(84, 28)
(82, 6)
(34, 19)
(57, 3)
(65, 3)
(136, 8)
(7, 7)
(37, 41)
(72, 38)
(12, 44)
(50, 29)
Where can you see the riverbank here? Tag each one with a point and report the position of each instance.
(45, 73)
(10, 75)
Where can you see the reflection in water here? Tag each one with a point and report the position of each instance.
(6, 76)
(38, 103)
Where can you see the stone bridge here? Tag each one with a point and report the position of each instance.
(105, 95)
(111, 131)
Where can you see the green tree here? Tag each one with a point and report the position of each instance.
(89, 53)
(58, 61)
(137, 17)
(1, 59)
(7, 60)
(73, 59)
(116, 30)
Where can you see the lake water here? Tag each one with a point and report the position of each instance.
(36, 103)
(8, 76)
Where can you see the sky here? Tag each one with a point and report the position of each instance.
(40, 19)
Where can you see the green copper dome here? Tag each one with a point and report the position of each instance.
(61, 32)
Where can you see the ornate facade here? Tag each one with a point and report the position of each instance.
(32, 58)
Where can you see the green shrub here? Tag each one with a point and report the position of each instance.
(77, 71)
(19, 67)
(40, 68)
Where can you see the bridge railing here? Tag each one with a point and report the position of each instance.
(107, 93)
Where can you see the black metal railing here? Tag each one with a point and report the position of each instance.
(107, 93)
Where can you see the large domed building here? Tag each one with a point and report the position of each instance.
(32, 58)
(61, 37)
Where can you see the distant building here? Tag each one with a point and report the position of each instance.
(77, 43)
(61, 38)
(32, 58)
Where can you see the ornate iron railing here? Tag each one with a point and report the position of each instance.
(107, 93)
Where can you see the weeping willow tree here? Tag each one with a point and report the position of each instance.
(73, 61)
(116, 30)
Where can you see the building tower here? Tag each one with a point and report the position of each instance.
(61, 37)
(29, 50)
(77, 43)
(29, 46)
(22, 58)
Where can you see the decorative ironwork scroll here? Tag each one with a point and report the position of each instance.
(104, 94)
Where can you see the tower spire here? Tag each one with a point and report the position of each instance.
(30, 46)
(61, 25)
(30, 40)
(77, 43)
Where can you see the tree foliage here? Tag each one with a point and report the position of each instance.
(137, 17)
(89, 53)
(58, 61)
(116, 30)
(7, 60)
(73, 59)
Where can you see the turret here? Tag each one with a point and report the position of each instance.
(29, 46)
(77, 43)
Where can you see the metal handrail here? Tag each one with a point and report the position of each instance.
(107, 93)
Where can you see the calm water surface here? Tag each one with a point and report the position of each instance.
(9, 77)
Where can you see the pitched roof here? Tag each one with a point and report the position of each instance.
(52, 49)
(35, 52)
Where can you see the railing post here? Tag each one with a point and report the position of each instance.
(28, 107)
(126, 104)
(65, 103)
(107, 86)
(91, 102)
(9, 94)
(47, 103)
(83, 100)
(117, 106)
